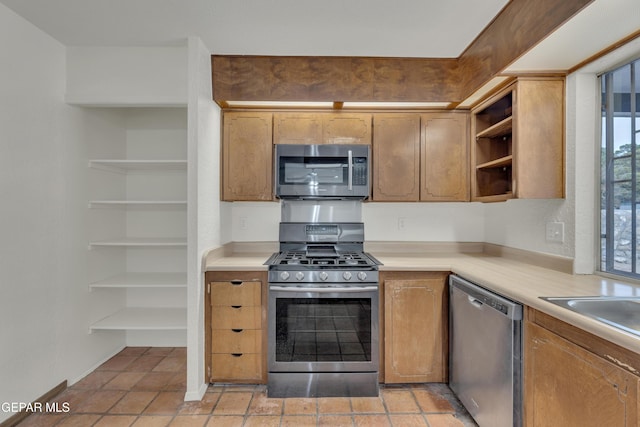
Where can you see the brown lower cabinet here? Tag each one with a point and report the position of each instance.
(415, 344)
(236, 326)
(568, 381)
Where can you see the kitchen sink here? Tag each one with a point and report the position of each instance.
(619, 312)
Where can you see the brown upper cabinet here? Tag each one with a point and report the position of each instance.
(396, 157)
(445, 157)
(321, 128)
(247, 152)
(518, 142)
(420, 157)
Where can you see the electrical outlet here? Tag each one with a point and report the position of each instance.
(243, 223)
(555, 232)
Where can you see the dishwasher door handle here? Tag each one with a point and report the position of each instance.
(475, 302)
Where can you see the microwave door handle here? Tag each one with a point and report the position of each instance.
(350, 162)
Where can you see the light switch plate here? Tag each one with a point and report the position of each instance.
(555, 232)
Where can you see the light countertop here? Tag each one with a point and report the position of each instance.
(517, 280)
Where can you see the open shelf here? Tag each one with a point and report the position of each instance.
(143, 280)
(501, 128)
(144, 319)
(497, 163)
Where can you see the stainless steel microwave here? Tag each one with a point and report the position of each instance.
(322, 171)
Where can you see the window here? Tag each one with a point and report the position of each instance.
(620, 170)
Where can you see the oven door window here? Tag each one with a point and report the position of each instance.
(323, 330)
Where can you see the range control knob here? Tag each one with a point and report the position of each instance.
(362, 275)
(284, 275)
(346, 275)
(299, 275)
(323, 276)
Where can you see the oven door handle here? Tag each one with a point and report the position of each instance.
(323, 290)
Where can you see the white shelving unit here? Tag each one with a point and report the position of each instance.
(138, 215)
(144, 319)
(143, 280)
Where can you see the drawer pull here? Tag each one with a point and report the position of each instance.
(236, 306)
(236, 354)
(236, 282)
(237, 330)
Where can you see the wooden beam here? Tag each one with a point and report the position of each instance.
(516, 29)
(315, 78)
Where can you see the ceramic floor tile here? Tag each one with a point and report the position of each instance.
(116, 421)
(145, 387)
(165, 403)
(371, 421)
(95, 380)
(79, 420)
(225, 421)
(154, 381)
(117, 363)
(430, 401)
(144, 363)
(410, 420)
(152, 421)
(335, 421)
(334, 405)
(171, 364)
(189, 421)
(134, 351)
(160, 351)
(233, 403)
(444, 420)
(262, 421)
(399, 400)
(99, 402)
(300, 406)
(367, 405)
(262, 405)
(200, 407)
(134, 402)
(42, 420)
(299, 421)
(124, 381)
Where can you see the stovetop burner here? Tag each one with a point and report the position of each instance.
(302, 258)
(322, 252)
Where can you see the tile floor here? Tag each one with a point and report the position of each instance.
(144, 386)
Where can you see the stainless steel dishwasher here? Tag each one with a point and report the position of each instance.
(485, 354)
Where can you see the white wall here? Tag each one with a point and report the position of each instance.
(204, 207)
(45, 306)
(127, 76)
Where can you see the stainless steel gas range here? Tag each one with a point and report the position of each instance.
(323, 325)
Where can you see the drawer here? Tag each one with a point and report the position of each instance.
(242, 317)
(237, 366)
(236, 293)
(236, 341)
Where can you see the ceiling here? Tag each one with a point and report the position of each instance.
(402, 28)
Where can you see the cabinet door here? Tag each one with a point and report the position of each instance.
(396, 157)
(346, 128)
(247, 156)
(539, 169)
(445, 165)
(415, 330)
(297, 128)
(566, 385)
